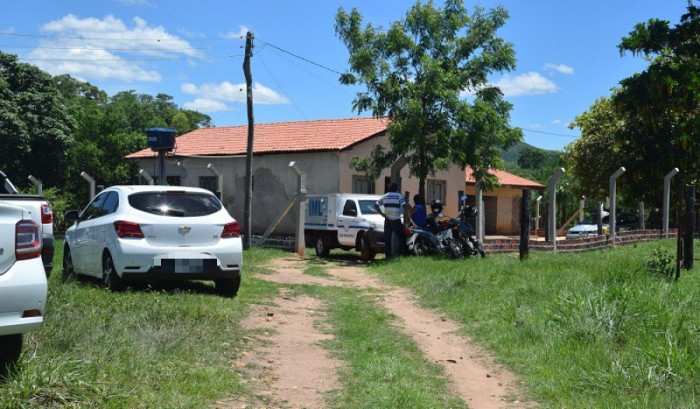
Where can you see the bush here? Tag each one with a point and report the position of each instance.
(661, 262)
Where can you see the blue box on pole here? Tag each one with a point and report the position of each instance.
(160, 138)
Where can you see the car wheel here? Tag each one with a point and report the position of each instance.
(322, 250)
(10, 348)
(367, 253)
(109, 275)
(228, 288)
(68, 270)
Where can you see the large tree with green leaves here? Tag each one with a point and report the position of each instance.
(418, 73)
(35, 127)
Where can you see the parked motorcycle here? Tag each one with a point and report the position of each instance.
(454, 237)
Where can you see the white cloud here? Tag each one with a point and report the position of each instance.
(557, 122)
(229, 92)
(107, 48)
(530, 83)
(241, 33)
(560, 68)
(206, 105)
(535, 125)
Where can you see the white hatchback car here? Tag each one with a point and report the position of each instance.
(147, 233)
(22, 280)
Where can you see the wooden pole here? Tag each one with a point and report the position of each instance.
(248, 200)
(525, 225)
(689, 227)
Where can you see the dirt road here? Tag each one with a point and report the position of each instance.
(292, 370)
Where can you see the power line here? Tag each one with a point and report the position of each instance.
(302, 58)
(115, 49)
(115, 39)
(551, 133)
(218, 57)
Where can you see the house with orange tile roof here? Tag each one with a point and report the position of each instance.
(322, 148)
(501, 206)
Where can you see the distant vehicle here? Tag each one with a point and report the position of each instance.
(38, 209)
(344, 220)
(22, 280)
(589, 227)
(149, 233)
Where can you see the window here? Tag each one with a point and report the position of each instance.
(94, 209)
(176, 204)
(436, 190)
(350, 208)
(209, 182)
(362, 184)
(172, 180)
(111, 203)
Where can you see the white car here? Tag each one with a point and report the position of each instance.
(149, 233)
(22, 280)
(588, 227)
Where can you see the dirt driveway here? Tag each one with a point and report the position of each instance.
(289, 369)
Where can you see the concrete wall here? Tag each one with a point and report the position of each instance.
(454, 177)
(274, 183)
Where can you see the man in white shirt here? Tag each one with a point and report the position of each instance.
(393, 204)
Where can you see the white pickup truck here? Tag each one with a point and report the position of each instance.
(344, 220)
(22, 280)
(38, 209)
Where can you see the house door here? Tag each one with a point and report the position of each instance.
(490, 215)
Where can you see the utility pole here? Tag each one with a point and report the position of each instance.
(249, 151)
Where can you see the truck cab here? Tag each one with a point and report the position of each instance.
(343, 220)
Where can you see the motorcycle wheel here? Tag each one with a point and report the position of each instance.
(420, 248)
(456, 249)
(479, 248)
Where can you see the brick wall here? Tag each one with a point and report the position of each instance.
(505, 245)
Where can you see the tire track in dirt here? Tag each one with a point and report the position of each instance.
(480, 382)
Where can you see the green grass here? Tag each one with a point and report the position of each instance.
(316, 271)
(588, 330)
(172, 348)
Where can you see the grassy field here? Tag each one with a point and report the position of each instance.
(591, 330)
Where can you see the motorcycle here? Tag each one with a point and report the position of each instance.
(454, 236)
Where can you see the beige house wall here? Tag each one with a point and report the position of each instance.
(454, 177)
(508, 199)
(274, 183)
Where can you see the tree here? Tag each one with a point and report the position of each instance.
(35, 128)
(660, 107)
(416, 72)
(595, 156)
(532, 158)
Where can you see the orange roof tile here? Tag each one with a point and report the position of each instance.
(505, 179)
(320, 135)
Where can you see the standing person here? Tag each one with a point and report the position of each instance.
(393, 204)
(419, 214)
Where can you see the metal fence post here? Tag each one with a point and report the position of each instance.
(667, 199)
(91, 181)
(613, 193)
(552, 224)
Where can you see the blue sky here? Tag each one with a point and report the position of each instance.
(566, 53)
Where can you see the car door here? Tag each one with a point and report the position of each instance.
(346, 221)
(83, 246)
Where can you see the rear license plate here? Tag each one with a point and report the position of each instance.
(185, 265)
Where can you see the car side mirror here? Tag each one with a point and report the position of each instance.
(72, 215)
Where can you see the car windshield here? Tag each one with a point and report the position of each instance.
(176, 204)
(367, 207)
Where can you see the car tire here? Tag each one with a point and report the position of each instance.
(367, 253)
(10, 349)
(111, 280)
(68, 270)
(322, 248)
(228, 288)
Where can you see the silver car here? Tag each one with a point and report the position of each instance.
(149, 233)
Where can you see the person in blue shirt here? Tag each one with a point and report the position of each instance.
(419, 214)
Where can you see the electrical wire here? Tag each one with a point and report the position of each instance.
(302, 58)
(116, 39)
(115, 49)
(551, 133)
(218, 57)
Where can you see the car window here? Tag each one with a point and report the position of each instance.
(111, 203)
(176, 204)
(367, 207)
(350, 208)
(94, 209)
